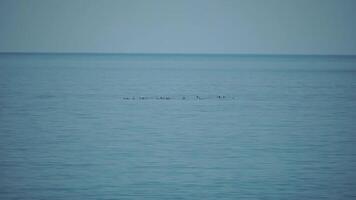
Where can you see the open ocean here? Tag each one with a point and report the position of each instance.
(91, 126)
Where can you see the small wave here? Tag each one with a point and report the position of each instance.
(45, 96)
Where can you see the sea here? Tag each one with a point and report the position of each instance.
(177, 126)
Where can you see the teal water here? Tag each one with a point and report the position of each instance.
(286, 129)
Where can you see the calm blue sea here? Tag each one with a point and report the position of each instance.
(133, 127)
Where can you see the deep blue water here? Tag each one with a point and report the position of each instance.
(286, 129)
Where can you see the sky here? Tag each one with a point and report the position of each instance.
(179, 26)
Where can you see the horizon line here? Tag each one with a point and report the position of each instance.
(177, 54)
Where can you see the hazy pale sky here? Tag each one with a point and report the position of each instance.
(179, 26)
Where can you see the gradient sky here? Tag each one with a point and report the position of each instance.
(180, 26)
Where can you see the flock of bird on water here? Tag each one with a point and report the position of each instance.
(218, 97)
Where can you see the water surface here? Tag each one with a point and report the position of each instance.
(287, 132)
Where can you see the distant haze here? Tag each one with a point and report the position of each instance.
(181, 26)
